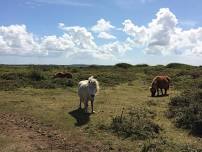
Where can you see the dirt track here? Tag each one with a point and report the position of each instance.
(29, 135)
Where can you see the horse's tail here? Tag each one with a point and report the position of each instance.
(169, 79)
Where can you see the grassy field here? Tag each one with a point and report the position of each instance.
(39, 113)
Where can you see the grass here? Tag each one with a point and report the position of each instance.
(128, 88)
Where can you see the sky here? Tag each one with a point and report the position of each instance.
(100, 32)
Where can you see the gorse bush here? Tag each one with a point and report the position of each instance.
(136, 124)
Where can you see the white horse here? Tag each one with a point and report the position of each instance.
(87, 90)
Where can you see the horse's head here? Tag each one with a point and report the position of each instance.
(93, 86)
(153, 91)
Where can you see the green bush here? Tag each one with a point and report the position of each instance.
(165, 145)
(36, 75)
(141, 65)
(135, 124)
(186, 110)
(123, 65)
(178, 65)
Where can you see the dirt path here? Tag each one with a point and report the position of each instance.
(28, 135)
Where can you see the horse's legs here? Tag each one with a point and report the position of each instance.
(165, 91)
(157, 91)
(80, 103)
(161, 91)
(92, 108)
(86, 105)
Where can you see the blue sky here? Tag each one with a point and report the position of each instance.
(100, 32)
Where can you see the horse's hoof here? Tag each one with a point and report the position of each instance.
(93, 112)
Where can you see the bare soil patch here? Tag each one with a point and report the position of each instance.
(29, 135)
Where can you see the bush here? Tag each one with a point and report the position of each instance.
(36, 75)
(74, 70)
(123, 65)
(8, 85)
(186, 110)
(178, 65)
(162, 145)
(142, 65)
(135, 124)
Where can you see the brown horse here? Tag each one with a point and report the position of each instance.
(63, 75)
(160, 82)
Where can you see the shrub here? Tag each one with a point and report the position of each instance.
(162, 145)
(142, 65)
(36, 75)
(74, 70)
(186, 111)
(178, 65)
(135, 124)
(8, 85)
(123, 65)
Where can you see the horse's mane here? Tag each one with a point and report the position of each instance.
(93, 80)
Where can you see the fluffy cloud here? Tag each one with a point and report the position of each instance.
(15, 39)
(138, 33)
(102, 28)
(105, 35)
(84, 42)
(80, 36)
(162, 35)
(54, 43)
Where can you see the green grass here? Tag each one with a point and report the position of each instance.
(127, 88)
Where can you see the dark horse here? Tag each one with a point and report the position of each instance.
(160, 82)
(63, 75)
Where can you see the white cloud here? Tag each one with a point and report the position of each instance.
(105, 35)
(102, 26)
(54, 43)
(163, 35)
(117, 47)
(80, 36)
(15, 39)
(84, 42)
(139, 33)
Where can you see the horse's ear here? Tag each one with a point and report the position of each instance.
(91, 77)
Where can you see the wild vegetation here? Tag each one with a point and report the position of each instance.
(39, 112)
(186, 109)
(135, 124)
